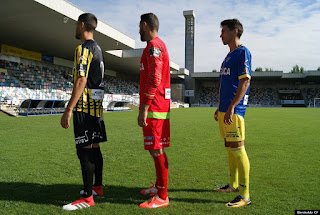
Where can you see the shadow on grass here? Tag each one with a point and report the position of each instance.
(60, 194)
(190, 190)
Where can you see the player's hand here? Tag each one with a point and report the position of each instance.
(142, 118)
(216, 115)
(228, 116)
(65, 119)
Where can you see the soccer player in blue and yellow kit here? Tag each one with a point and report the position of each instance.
(235, 75)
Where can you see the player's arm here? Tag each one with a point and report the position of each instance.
(77, 90)
(154, 76)
(142, 118)
(216, 114)
(242, 89)
(244, 75)
(82, 63)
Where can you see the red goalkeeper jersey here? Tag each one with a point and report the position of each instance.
(155, 79)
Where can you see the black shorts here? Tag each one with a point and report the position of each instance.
(88, 129)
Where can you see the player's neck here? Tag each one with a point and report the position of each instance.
(87, 36)
(152, 35)
(234, 44)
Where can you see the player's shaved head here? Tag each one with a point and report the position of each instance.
(90, 21)
(151, 20)
(233, 24)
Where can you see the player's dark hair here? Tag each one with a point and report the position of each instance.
(151, 20)
(90, 21)
(233, 24)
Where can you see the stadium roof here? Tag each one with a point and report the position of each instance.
(48, 27)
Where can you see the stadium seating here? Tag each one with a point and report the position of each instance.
(115, 85)
(7, 80)
(42, 81)
(312, 93)
(17, 94)
(262, 97)
(257, 96)
(209, 95)
(21, 82)
(38, 77)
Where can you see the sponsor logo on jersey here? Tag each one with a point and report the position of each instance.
(83, 59)
(165, 143)
(97, 94)
(141, 67)
(155, 52)
(167, 93)
(225, 71)
(149, 138)
(246, 68)
(81, 68)
(245, 99)
(148, 143)
(245, 63)
(245, 71)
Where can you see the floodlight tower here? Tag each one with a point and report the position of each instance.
(189, 52)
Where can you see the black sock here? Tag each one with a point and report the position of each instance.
(98, 160)
(88, 167)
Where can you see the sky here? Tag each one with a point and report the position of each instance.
(278, 33)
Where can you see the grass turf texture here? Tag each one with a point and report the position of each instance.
(40, 171)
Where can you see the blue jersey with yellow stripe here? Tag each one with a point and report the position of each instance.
(236, 66)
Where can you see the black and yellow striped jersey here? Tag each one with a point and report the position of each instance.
(89, 63)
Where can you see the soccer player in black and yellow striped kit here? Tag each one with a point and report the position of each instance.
(86, 105)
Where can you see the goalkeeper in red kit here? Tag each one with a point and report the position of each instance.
(154, 111)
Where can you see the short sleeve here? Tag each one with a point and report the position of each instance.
(83, 60)
(244, 66)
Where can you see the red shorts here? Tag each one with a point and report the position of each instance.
(156, 134)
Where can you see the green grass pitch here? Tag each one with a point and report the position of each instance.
(40, 171)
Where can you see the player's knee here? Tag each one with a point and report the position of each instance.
(156, 152)
(236, 144)
(226, 144)
(96, 145)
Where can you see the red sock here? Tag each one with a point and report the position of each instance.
(161, 164)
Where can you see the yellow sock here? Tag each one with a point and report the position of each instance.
(242, 160)
(233, 168)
